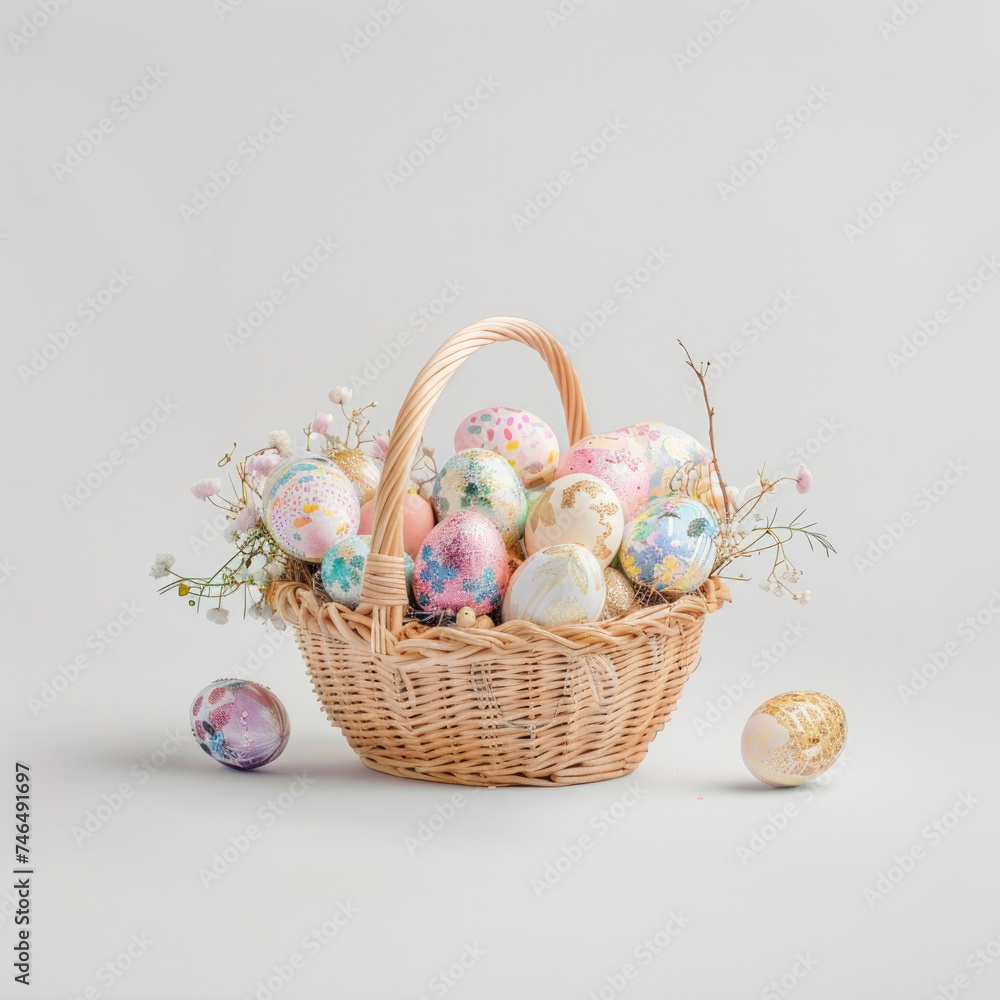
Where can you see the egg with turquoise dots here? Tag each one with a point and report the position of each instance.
(558, 585)
(616, 460)
(523, 440)
(793, 737)
(670, 545)
(576, 508)
(666, 449)
(344, 566)
(481, 481)
(308, 504)
(462, 563)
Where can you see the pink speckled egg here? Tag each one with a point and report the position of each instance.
(524, 440)
(617, 460)
(462, 563)
(666, 449)
(418, 519)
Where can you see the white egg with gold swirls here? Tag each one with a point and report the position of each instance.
(576, 508)
(559, 585)
(793, 737)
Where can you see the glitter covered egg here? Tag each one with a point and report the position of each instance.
(670, 545)
(616, 460)
(239, 723)
(344, 565)
(576, 508)
(481, 481)
(519, 437)
(793, 737)
(621, 593)
(666, 449)
(559, 585)
(308, 505)
(362, 470)
(462, 563)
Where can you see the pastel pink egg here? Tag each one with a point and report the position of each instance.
(462, 563)
(418, 519)
(617, 460)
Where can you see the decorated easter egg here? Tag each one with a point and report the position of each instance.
(524, 440)
(308, 504)
(670, 545)
(621, 593)
(344, 565)
(362, 470)
(239, 723)
(560, 585)
(577, 508)
(418, 519)
(481, 481)
(462, 563)
(793, 737)
(616, 460)
(666, 449)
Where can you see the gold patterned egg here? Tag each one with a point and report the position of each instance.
(362, 470)
(560, 585)
(793, 737)
(621, 593)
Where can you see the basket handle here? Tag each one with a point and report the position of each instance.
(383, 588)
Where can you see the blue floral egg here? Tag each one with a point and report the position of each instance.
(670, 545)
(344, 565)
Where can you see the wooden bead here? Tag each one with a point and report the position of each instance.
(484, 621)
(465, 618)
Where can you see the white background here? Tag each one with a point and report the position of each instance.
(891, 432)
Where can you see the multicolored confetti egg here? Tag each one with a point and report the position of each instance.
(670, 546)
(577, 508)
(559, 585)
(308, 505)
(524, 440)
(239, 723)
(462, 563)
(481, 481)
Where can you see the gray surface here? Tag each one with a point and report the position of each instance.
(890, 435)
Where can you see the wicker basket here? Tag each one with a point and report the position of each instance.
(514, 705)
